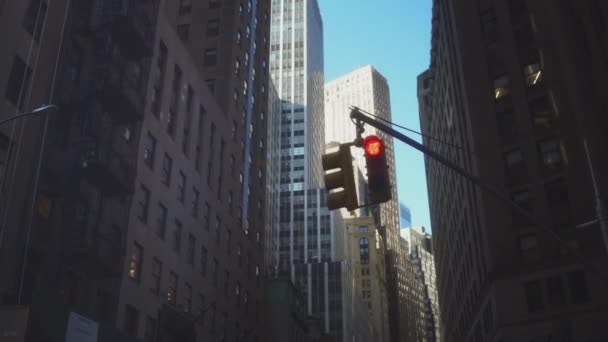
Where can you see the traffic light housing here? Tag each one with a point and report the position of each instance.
(340, 183)
(378, 182)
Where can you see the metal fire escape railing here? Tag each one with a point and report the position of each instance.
(119, 41)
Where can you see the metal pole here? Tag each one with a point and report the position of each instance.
(360, 117)
(357, 115)
(37, 111)
(599, 205)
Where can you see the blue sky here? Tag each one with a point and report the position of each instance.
(393, 36)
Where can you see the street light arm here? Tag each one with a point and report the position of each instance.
(37, 111)
(361, 118)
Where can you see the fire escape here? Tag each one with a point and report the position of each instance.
(102, 94)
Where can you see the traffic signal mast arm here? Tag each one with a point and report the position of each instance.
(361, 118)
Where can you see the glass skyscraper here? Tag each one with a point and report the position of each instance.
(305, 241)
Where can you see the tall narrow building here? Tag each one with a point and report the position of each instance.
(422, 299)
(518, 87)
(307, 243)
(367, 89)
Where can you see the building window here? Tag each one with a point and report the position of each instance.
(161, 221)
(167, 166)
(363, 229)
(502, 86)
(176, 238)
(18, 82)
(550, 153)
(239, 254)
(228, 242)
(188, 297)
(558, 201)
(149, 148)
(131, 320)
(172, 289)
(237, 66)
(150, 330)
(226, 282)
(195, 199)
(181, 187)
(185, 7)
(364, 250)
(183, 31)
(190, 252)
(199, 139)
(157, 269)
(534, 296)
(238, 37)
(211, 158)
(159, 81)
(144, 202)
(201, 308)
(213, 27)
(33, 22)
(237, 291)
(577, 284)
(214, 271)
(135, 262)
(532, 74)
(542, 112)
(210, 58)
(207, 217)
(555, 292)
(203, 261)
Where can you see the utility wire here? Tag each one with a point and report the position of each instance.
(42, 147)
(410, 130)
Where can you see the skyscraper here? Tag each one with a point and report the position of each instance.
(367, 89)
(296, 68)
(518, 87)
(307, 241)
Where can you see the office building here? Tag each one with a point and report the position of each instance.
(367, 89)
(423, 303)
(149, 208)
(365, 253)
(405, 216)
(517, 86)
(308, 244)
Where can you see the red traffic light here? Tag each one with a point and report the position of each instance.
(373, 146)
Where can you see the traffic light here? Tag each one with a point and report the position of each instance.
(378, 183)
(340, 183)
